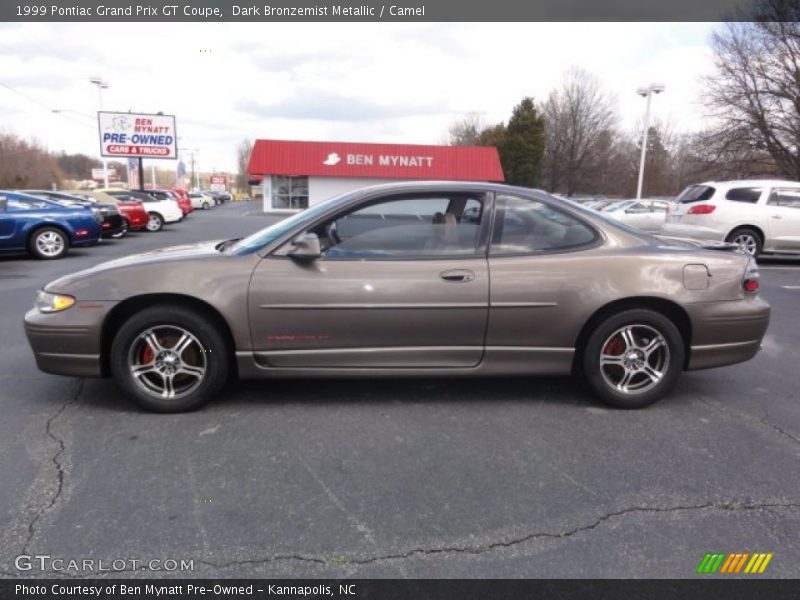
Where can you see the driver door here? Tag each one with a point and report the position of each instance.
(402, 282)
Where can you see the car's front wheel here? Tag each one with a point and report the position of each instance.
(155, 222)
(48, 243)
(206, 206)
(633, 358)
(169, 359)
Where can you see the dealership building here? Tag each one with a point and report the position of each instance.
(295, 175)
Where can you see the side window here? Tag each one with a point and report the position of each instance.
(523, 226)
(411, 226)
(749, 194)
(789, 197)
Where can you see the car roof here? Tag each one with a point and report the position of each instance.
(750, 182)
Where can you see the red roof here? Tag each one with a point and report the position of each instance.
(389, 161)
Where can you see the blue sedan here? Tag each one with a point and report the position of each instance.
(44, 228)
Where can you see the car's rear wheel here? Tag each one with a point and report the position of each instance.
(169, 359)
(633, 358)
(155, 223)
(122, 232)
(748, 240)
(48, 243)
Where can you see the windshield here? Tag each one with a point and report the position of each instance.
(269, 234)
(615, 206)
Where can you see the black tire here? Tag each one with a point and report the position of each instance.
(206, 206)
(156, 222)
(122, 232)
(48, 243)
(749, 240)
(606, 343)
(208, 352)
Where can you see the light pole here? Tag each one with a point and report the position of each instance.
(191, 152)
(101, 84)
(646, 92)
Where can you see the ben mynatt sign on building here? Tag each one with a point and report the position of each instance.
(137, 135)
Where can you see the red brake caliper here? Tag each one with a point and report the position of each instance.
(147, 354)
(614, 347)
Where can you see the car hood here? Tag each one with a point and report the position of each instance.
(197, 251)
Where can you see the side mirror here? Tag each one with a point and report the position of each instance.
(306, 247)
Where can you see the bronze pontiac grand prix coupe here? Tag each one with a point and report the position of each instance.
(436, 279)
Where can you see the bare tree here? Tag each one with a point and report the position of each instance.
(577, 114)
(243, 152)
(754, 94)
(466, 130)
(26, 164)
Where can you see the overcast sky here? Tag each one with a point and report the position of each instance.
(374, 82)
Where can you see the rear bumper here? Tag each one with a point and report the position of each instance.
(113, 224)
(137, 219)
(694, 232)
(726, 333)
(68, 343)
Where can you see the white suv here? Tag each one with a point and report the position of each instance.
(758, 215)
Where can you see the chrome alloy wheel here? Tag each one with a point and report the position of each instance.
(167, 361)
(746, 243)
(50, 243)
(634, 359)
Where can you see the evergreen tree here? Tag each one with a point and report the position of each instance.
(522, 145)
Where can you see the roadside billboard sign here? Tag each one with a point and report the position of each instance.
(99, 174)
(218, 182)
(137, 135)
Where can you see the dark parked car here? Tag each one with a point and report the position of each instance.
(44, 228)
(394, 280)
(113, 223)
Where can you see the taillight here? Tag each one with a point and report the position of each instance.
(701, 209)
(750, 285)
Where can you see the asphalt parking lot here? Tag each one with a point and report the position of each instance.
(426, 478)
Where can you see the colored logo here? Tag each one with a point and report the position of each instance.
(332, 159)
(731, 564)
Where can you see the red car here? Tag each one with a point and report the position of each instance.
(133, 211)
(181, 196)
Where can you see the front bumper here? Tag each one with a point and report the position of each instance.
(68, 342)
(726, 333)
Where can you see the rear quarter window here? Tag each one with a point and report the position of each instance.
(744, 194)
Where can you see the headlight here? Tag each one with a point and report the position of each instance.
(98, 215)
(50, 303)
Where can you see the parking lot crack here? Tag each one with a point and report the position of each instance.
(478, 549)
(56, 460)
(763, 421)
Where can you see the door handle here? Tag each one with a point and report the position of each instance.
(777, 217)
(458, 275)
